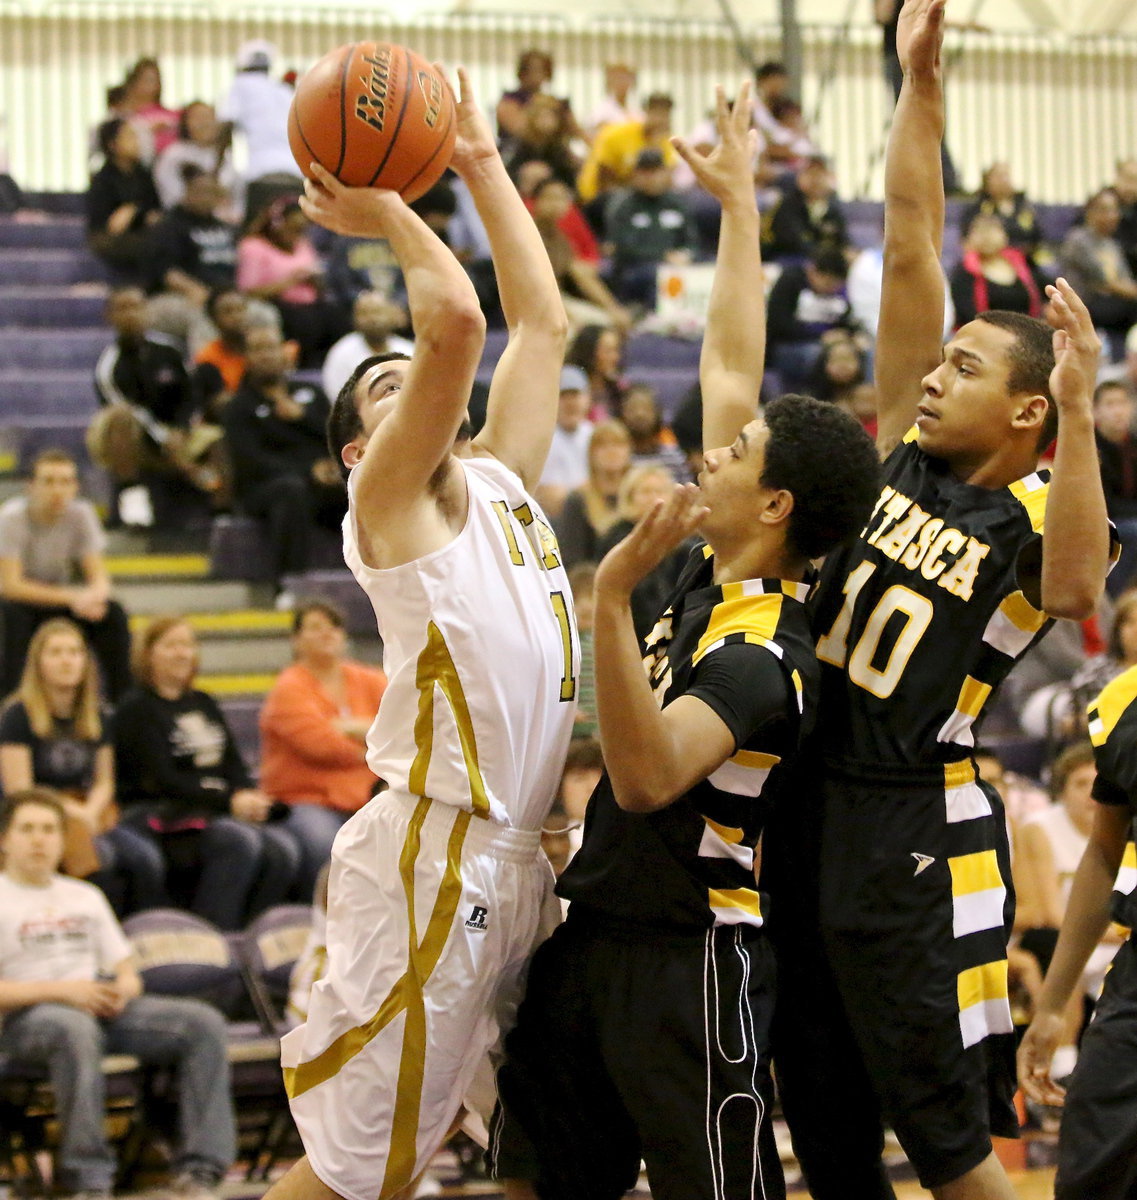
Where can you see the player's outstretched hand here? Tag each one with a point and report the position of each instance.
(1077, 348)
(357, 212)
(665, 525)
(1035, 1053)
(920, 35)
(728, 170)
(475, 143)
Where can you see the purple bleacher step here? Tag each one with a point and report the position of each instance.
(671, 384)
(51, 349)
(47, 393)
(238, 549)
(53, 307)
(338, 587)
(57, 268)
(53, 232)
(653, 351)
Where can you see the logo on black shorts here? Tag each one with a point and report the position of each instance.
(477, 919)
(923, 861)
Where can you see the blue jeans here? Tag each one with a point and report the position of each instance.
(314, 828)
(131, 871)
(158, 1030)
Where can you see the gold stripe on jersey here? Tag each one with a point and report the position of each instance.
(1110, 706)
(744, 773)
(741, 610)
(978, 892)
(735, 906)
(912, 434)
(983, 1005)
(964, 799)
(721, 841)
(1031, 492)
(799, 690)
(436, 668)
(957, 728)
(1013, 625)
(1126, 880)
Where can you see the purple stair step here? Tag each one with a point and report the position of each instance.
(50, 267)
(652, 351)
(55, 232)
(238, 549)
(51, 349)
(52, 307)
(338, 587)
(47, 393)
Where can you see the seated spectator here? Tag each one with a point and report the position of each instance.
(1125, 189)
(257, 106)
(806, 217)
(122, 204)
(545, 135)
(313, 735)
(181, 779)
(140, 101)
(195, 253)
(53, 735)
(640, 488)
(310, 967)
(840, 377)
(590, 511)
(574, 225)
(771, 85)
(282, 472)
(992, 274)
(69, 993)
(790, 147)
(375, 319)
(220, 364)
(653, 444)
(586, 297)
(51, 565)
(613, 156)
(807, 307)
(277, 262)
(534, 71)
(145, 432)
(355, 265)
(998, 197)
(647, 225)
(566, 467)
(599, 352)
(581, 579)
(199, 145)
(1094, 262)
(1117, 454)
(1125, 371)
(866, 274)
(618, 105)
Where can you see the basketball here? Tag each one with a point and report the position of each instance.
(374, 115)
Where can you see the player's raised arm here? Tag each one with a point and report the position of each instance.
(910, 335)
(522, 408)
(734, 344)
(429, 402)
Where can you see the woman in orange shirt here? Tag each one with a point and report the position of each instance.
(313, 729)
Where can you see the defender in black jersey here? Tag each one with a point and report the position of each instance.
(1097, 1145)
(644, 1030)
(901, 1012)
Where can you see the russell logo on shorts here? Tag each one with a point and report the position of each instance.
(477, 919)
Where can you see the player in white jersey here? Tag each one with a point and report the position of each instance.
(438, 889)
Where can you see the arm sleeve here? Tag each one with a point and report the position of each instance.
(92, 539)
(574, 534)
(13, 536)
(1076, 255)
(1116, 760)
(747, 687)
(112, 941)
(963, 295)
(233, 767)
(15, 729)
(252, 462)
(781, 321)
(100, 203)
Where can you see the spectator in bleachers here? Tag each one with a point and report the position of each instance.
(640, 488)
(794, 146)
(277, 262)
(618, 105)
(1094, 262)
(282, 472)
(199, 145)
(599, 352)
(314, 726)
(375, 319)
(998, 197)
(122, 203)
(181, 779)
(195, 253)
(220, 364)
(591, 510)
(312, 963)
(807, 216)
(534, 71)
(992, 274)
(546, 134)
(1125, 371)
(566, 467)
(1125, 189)
(586, 296)
(645, 226)
(51, 565)
(613, 156)
(53, 734)
(139, 99)
(581, 579)
(771, 84)
(808, 306)
(574, 225)
(144, 433)
(258, 105)
(1117, 453)
(70, 993)
(866, 273)
(653, 443)
(841, 377)
(358, 264)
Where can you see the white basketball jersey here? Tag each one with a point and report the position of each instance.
(481, 654)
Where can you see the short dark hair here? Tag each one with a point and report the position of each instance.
(106, 134)
(545, 184)
(218, 294)
(1080, 754)
(325, 607)
(1031, 358)
(52, 454)
(769, 69)
(830, 260)
(826, 460)
(344, 421)
(42, 796)
(1109, 385)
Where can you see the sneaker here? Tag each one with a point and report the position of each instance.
(285, 601)
(194, 1185)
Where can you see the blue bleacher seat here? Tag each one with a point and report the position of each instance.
(652, 351)
(338, 587)
(238, 549)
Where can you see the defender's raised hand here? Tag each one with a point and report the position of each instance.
(728, 169)
(920, 36)
(665, 525)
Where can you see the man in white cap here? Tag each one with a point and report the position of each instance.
(257, 105)
(566, 467)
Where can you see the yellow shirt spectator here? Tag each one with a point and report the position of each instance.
(616, 148)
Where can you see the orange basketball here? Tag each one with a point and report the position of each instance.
(374, 115)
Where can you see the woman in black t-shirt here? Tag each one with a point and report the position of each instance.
(53, 735)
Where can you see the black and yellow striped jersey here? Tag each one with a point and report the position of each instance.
(745, 650)
(921, 617)
(1113, 731)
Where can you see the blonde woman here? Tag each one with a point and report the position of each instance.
(591, 510)
(53, 735)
